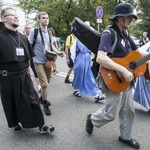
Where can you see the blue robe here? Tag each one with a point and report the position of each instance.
(142, 91)
(84, 79)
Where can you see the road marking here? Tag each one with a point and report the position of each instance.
(63, 74)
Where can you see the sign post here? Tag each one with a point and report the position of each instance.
(99, 14)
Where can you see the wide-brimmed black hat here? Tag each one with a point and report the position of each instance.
(123, 9)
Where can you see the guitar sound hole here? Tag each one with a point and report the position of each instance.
(132, 66)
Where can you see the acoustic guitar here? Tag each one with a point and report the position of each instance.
(133, 61)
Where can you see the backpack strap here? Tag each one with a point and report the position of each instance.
(113, 34)
(70, 39)
(35, 37)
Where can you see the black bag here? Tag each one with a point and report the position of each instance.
(91, 39)
(88, 36)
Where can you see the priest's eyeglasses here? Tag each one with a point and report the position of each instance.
(12, 15)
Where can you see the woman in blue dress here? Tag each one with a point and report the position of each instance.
(84, 82)
(142, 91)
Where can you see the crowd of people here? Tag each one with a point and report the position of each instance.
(27, 54)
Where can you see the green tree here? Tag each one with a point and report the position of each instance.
(62, 12)
(143, 12)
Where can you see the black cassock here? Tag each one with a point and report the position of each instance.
(19, 98)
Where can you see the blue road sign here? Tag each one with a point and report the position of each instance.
(99, 12)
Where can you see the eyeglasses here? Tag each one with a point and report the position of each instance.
(13, 15)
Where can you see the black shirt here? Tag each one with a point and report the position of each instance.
(9, 41)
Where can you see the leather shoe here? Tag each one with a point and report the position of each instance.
(89, 125)
(131, 142)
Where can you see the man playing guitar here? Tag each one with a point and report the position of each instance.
(117, 102)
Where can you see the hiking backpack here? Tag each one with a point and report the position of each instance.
(36, 30)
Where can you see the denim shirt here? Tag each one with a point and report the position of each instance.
(39, 48)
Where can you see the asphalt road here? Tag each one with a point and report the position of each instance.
(69, 117)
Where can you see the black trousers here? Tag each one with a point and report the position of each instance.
(20, 101)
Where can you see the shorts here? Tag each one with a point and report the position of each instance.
(44, 74)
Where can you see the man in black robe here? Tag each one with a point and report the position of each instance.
(19, 99)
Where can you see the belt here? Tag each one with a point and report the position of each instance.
(8, 73)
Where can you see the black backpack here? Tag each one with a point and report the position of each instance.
(36, 30)
(35, 37)
(91, 38)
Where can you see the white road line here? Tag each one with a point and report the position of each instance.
(63, 74)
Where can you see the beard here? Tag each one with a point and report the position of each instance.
(15, 25)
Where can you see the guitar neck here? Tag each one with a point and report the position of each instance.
(142, 60)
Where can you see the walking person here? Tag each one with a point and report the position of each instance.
(44, 43)
(69, 42)
(84, 82)
(141, 92)
(117, 103)
(143, 39)
(19, 98)
(27, 31)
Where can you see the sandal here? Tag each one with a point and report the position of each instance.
(17, 128)
(99, 98)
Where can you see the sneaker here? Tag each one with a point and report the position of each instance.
(17, 128)
(132, 143)
(44, 101)
(48, 103)
(89, 125)
(67, 81)
(47, 110)
(41, 100)
(99, 98)
(46, 129)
